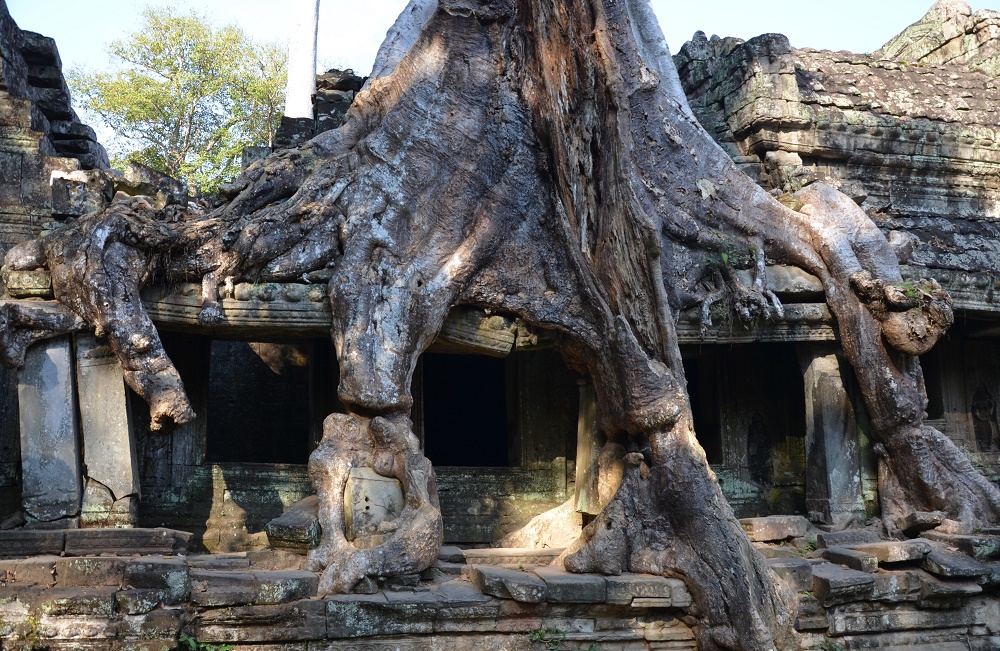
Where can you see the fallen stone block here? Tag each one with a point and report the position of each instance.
(777, 551)
(833, 584)
(955, 527)
(450, 554)
(842, 538)
(297, 529)
(852, 558)
(980, 547)
(913, 523)
(796, 572)
(508, 584)
(567, 587)
(895, 551)
(953, 565)
(775, 527)
(529, 556)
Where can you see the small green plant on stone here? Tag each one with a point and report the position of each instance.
(31, 635)
(189, 643)
(554, 639)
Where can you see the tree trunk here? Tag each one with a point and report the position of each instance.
(533, 157)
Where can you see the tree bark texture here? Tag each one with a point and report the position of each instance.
(537, 158)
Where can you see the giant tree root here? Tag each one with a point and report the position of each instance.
(658, 523)
(413, 538)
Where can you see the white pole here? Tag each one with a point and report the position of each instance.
(302, 59)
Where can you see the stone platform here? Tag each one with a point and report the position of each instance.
(935, 591)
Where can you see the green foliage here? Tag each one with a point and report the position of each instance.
(185, 96)
(189, 643)
(30, 635)
(554, 639)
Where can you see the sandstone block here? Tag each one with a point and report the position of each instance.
(90, 572)
(294, 622)
(83, 542)
(796, 572)
(220, 588)
(369, 500)
(352, 616)
(841, 538)
(28, 284)
(282, 586)
(833, 584)
(775, 527)
(567, 587)
(936, 590)
(21, 542)
(450, 554)
(38, 570)
(63, 602)
(508, 584)
(139, 601)
(624, 588)
(980, 547)
(913, 523)
(951, 565)
(894, 551)
(297, 529)
(154, 572)
(852, 558)
(898, 585)
(50, 450)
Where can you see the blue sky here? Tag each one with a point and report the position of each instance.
(351, 30)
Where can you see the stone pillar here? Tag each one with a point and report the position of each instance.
(297, 124)
(50, 449)
(588, 449)
(111, 485)
(833, 462)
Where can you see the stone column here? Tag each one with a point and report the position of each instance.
(50, 449)
(297, 123)
(588, 449)
(833, 462)
(111, 485)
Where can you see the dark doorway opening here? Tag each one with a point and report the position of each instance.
(700, 369)
(465, 410)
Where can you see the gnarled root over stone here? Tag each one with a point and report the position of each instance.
(391, 450)
(658, 523)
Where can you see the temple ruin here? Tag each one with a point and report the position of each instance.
(117, 535)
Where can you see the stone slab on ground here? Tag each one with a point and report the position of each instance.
(568, 587)
(505, 583)
(775, 528)
(895, 586)
(833, 584)
(451, 554)
(980, 547)
(895, 551)
(849, 537)
(853, 558)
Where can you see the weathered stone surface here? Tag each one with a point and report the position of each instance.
(155, 572)
(511, 556)
(508, 584)
(951, 565)
(366, 616)
(37, 570)
(567, 587)
(282, 586)
(914, 523)
(302, 620)
(898, 586)
(622, 589)
(842, 538)
(775, 527)
(846, 620)
(297, 529)
(852, 558)
(90, 571)
(222, 588)
(139, 179)
(369, 500)
(83, 542)
(979, 547)
(28, 284)
(451, 554)
(938, 590)
(894, 551)
(80, 192)
(796, 572)
(108, 437)
(833, 584)
(20, 543)
(50, 451)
